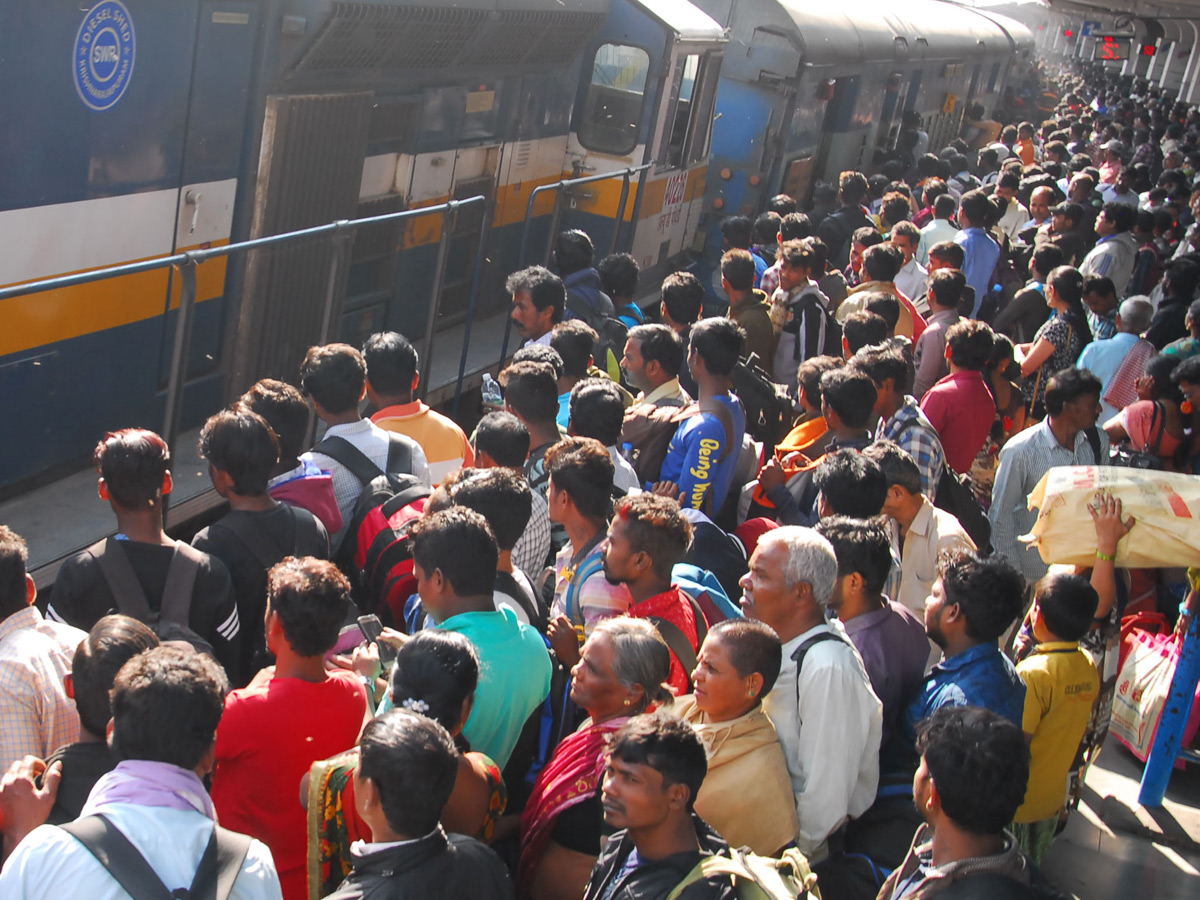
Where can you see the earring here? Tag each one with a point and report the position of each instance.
(626, 701)
(751, 692)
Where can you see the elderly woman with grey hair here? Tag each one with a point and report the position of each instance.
(828, 719)
(621, 673)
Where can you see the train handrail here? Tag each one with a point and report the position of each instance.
(340, 230)
(522, 257)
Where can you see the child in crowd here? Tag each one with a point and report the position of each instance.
(1061, 684)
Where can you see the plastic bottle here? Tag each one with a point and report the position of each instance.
(492, 395)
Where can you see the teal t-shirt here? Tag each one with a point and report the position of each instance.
(514, 679)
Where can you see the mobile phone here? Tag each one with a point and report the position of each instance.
(372, 628)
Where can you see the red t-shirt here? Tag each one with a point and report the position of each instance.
(674, 607)
(268, 738)
(961, 408)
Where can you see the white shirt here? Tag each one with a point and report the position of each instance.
(51, 865)
(624, 475)
(1014, 219)
(373, 441)
(830, 737)
(911, 280)
(504, 601)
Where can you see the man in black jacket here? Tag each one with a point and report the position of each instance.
(405, 774)
(655, 768)
(837, 228)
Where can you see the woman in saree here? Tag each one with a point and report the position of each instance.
(435, 675)
(621, 673)
(747, 793)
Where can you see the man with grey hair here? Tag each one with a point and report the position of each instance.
(1119, 361)
(828, 719)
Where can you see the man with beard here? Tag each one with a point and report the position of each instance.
(647, 536)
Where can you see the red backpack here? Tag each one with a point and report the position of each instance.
(383, 560)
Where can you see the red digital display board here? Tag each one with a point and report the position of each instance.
(1112, 49)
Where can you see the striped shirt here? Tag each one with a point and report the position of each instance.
(1023, 461)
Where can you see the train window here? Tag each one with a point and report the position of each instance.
(612, 109)
(993, 77)
(704, 97)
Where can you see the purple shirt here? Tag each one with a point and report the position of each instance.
(894, 650)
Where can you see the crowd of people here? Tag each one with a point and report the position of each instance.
(739, 574)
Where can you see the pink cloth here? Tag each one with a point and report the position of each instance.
(1136, 419)
(1122, 390)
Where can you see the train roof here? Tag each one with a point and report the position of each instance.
(687, 20)
(889, 30)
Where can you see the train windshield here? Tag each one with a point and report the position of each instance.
(613, 107)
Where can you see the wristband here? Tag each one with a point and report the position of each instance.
(1106, 557)
(1183, 609)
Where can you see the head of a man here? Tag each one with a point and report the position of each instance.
(847, 398)
(531, 392)
(335, 377)
(166, 704)
(501, 439)
(1073, 397)
(241, 450)
(308, 600)
(455, 557)
(682, 300)
(112, 642)
(905, 238)
(574, 340)
(286, 411)
(573, 252)
(407, 766)
(581, 481)
(714, 347)
(790, 580)
(851, 484)
(502, 496)
(647, 536)
(654, 354)
(656, 765)
(864, 557)
(134, 467)
(392, 366)
(974, 599)
(538, 301)
(597, 411)
(900, 473)
(973, 773)
(969, 345)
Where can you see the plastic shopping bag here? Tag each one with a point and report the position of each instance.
(1142, 689)
(1165, 504)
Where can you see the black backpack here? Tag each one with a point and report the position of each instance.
(171, 622)
(611, 332)
(768, 407)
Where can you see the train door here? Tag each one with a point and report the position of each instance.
(843, 145)
(212, 152)
(674, 194)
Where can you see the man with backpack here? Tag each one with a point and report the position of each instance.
(354, 449)
(827, 716)
(573, 257)
(657, 764)
(258, 531)
(580, 498)
(180, 591)
(800, 314)
(653, 360)
(150, 821)
(648, 535)
(836, 229)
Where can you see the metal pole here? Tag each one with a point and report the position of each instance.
(179, 354)
(471, 305)
(555, 220)
(435, 307)
(1191, 60)
(1162, 82)
(620, 220)
(341, 244)
(1169, 737)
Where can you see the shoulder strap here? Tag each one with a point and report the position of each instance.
(689, 879)
(1093, 439)
(579, 306)
(399, 458)
(231, 850)
(181, 584)
(678, 643)
(721, 411)
(351, 457)
(263, 550)
(801, 652)
(1154, 417)
(122, 580)
(581, 574)
(119, 857)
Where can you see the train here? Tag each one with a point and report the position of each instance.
(137, 129)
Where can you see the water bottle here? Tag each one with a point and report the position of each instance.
(492, 396)
(627, 452)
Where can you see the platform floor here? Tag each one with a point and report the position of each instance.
(67, 515)
(1114, 849)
